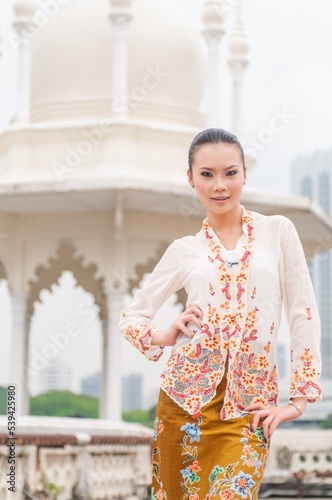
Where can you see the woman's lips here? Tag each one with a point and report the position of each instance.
(221, 199)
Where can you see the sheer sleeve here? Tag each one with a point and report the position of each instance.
(302, 315)
(136, 324)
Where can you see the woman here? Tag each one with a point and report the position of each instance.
(218, 406)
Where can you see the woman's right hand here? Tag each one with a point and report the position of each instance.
(168, 337)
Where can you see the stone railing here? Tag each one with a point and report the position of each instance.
(81, 465)
(300, 462)
(63, 469)
(68, 459)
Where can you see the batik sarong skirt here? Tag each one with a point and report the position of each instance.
(205, 458)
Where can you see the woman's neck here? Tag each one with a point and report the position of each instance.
(227, 221)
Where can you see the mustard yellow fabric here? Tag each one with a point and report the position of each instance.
(203, 457)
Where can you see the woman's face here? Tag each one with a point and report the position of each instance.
(218, 176)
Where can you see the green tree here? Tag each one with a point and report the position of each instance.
(68, 404)
(144, 417)
(64, 404)
(152, 414)
(3, 401)
(327, 424)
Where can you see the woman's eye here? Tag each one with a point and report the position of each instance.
(231, 172)
(206, 174)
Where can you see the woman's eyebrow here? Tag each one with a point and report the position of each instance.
(225, 168)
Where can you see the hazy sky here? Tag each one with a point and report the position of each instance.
(288, 82)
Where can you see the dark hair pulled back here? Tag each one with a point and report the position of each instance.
(213, 136)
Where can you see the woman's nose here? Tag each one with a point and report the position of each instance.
(219, 184)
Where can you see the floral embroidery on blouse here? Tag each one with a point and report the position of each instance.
(237, 326)
(202, 371)
(141, 342)
(304, 382)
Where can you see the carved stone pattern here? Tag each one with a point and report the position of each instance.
(22, 471)
(3, 479)
(142, 269)
(60, 467)
(113, 472)
(312, 461)
(67, 261)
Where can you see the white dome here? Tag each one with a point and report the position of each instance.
(72, 64)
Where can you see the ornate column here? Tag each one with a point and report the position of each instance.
(112, 380)
(120, 16)
(238, 61)
(103, 386)
(20, 350)
(213, 20)
(83, 459)
(112, 405)
(23, 24)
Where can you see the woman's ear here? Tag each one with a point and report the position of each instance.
(190, 178)
(245, 173)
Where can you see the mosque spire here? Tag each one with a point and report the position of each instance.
(213, 31)
(238, 61)
(24, 11)
(120, 16)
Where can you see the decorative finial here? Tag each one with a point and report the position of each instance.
(23, 24)
(24, 8)
(120, 16)
(238, 48)
(121, 3)
(121, 10)
(213, 17)
(238, 45)
(213, 30)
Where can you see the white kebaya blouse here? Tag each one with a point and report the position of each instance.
(241, 300)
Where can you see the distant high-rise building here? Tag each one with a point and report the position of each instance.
(132, 392)
(312, 177)
(132, 389)
(91, 385)
(55, 377)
